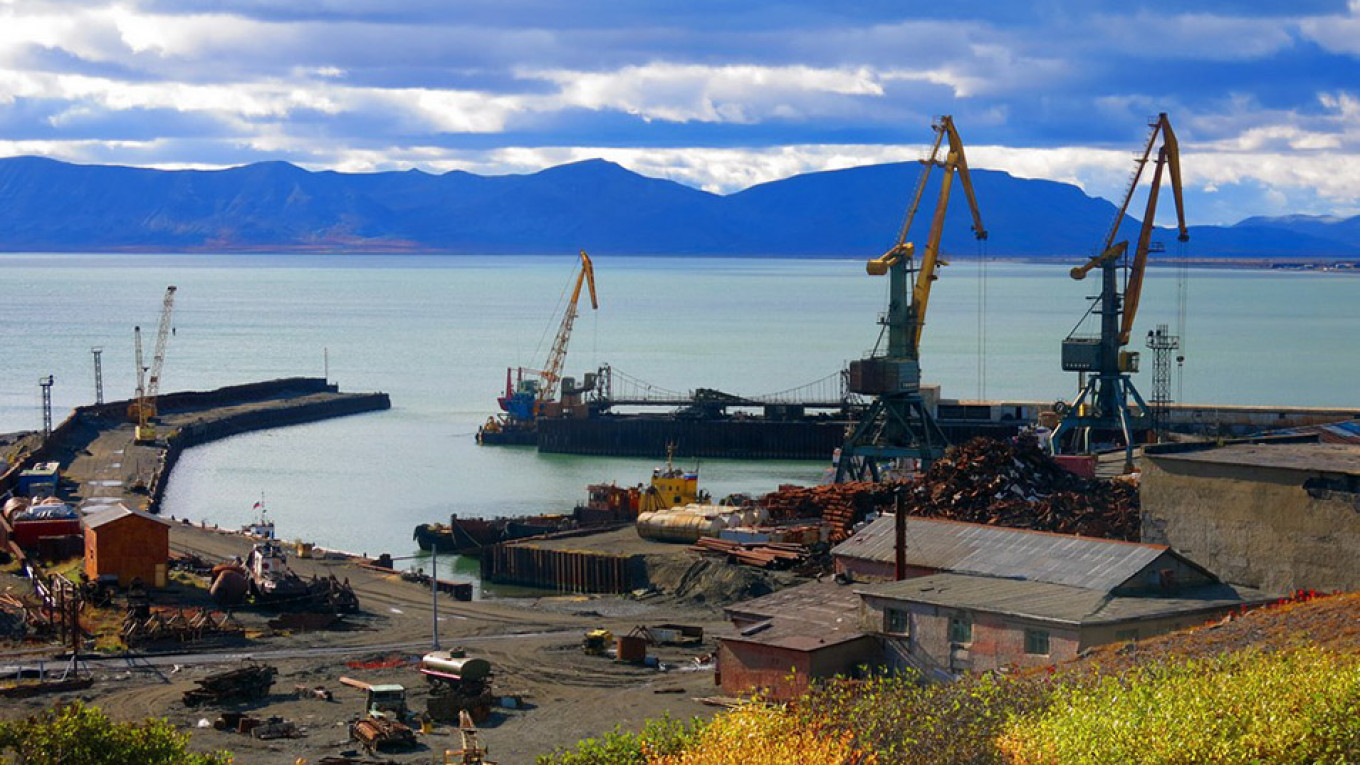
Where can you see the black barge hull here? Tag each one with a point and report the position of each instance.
(751, 438)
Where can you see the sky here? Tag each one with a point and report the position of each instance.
(716, 94)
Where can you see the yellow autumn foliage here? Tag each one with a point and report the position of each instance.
(757, 734)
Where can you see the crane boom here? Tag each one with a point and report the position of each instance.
(153, 383)
(908, 340)
(552, 371)
(141, 367)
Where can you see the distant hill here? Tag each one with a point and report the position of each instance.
(47, 205)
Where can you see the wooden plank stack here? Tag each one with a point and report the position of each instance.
(772, 555)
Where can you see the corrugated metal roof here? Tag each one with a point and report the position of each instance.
(1044, 601)
(803, 618)
(1099, 564)
(1314, 458)
(1345, 432)
(95, 520)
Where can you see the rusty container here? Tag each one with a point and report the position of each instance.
(632, 648)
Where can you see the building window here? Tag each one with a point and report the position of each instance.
(960, 629)
(1036, 642)
(896, 622)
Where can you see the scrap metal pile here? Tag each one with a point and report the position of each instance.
(249, 682)
(1016, 484)
(1003, 483)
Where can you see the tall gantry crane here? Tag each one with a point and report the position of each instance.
(529, 396)
(1102, 407)
(898, 423)
(143, 409)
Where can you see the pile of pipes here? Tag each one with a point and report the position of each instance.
(1016, 484)
(773, 555)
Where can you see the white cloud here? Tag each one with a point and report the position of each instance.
(1185, 36)
(1335, 33)
(696, 93)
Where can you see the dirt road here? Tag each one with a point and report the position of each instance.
(533, 644)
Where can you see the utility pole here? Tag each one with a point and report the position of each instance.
(434, 590)
(98, 375)
(46, 384)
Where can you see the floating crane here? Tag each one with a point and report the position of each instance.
(531, 397)
(143, 409)
(898, 424)
(1102, 407)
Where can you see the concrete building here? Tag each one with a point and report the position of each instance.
(981, 597)
(781, 641)
(1275, 516)
(125, 544)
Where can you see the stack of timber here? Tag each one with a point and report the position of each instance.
(840, 506)
(772, 555)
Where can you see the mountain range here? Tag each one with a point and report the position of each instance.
(51, 206)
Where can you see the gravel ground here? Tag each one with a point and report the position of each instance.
(532, 643)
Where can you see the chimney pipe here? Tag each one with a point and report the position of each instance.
(901, 538)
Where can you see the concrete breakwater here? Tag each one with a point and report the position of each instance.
(99, 458)
(295, 409)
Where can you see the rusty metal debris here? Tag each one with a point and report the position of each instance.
(381, 734)
(1003, 483)
(1016, 484)
(250, 682)
(178, 624)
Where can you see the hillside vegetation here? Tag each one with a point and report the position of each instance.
(1278, 685)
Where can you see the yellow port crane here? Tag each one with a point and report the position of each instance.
(898, 424)
(1103, 404)
(143, 409)
(531, 397)
(552, 372)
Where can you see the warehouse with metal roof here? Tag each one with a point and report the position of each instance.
(983, 597)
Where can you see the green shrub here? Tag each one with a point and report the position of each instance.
(658, 738)
(79, 735)
(1301, 706)
(907, 722)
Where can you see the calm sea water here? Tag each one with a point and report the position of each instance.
(438, 332)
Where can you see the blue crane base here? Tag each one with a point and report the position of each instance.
(895, 426)
(1085, 418)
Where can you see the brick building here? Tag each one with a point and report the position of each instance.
(981, 597)
(781, 641)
